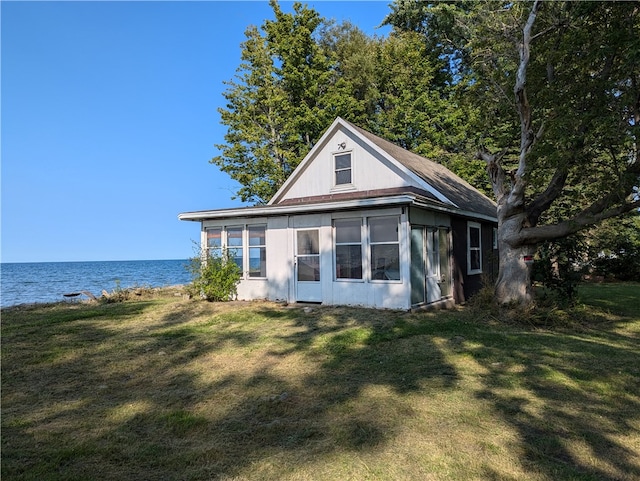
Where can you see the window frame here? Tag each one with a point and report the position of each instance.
(371, 244)
(337, 244)
(233, 250)
(335, 170)
(217, 248)
(262, 247)
(471, 249)
(244, 248)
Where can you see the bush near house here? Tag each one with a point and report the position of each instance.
(215, 277)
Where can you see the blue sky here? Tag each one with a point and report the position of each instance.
(109, 119)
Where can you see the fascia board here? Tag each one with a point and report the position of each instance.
(456, 211)
(275, 210)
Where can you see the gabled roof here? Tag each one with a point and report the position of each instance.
(436, 181)
(462, 194)
(438, 187)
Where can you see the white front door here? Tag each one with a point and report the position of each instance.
(307, 266)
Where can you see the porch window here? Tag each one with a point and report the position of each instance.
(474, 248)
(234, 244)
(214, 241)
(343, 169)
(348, 248)
(257, 251)
(385, 248)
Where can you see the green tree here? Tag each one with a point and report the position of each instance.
(299, 72)
(355, 86)
(558, 92)
(275, 108)
(614, 248)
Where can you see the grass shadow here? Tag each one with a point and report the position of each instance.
(185, 390)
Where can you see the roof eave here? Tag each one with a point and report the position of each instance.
(277, 210)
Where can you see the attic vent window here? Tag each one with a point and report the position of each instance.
(343, 168)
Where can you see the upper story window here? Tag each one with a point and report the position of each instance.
(474, 248)
(343, 169)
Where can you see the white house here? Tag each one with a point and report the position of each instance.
(364, 222)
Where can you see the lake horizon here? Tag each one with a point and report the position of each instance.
(49, 281)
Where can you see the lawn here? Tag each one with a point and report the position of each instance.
(166, 388)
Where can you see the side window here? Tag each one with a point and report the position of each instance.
(385, 248)
(474, 248)
(348, 248)
(342, 168)
(214, 241)
(257, 251)
(234, 244)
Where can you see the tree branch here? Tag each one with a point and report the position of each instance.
(527, 137)
(496, 172)
(546, 198)
(535, 235)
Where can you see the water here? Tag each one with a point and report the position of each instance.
(48, 281)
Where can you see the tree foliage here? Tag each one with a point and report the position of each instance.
(299, 72)
(557, 90)
(614, 249)
(276, 103)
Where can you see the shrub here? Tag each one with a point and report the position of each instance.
(557, 266)
(614, 248)
(215, 277)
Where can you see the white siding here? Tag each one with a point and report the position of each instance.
(370, 170)
(280, 283)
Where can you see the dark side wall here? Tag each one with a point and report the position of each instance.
(466, 285)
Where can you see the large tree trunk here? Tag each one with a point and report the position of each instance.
(514, 277)
(518, 231)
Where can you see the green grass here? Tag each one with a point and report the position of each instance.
(172, 389)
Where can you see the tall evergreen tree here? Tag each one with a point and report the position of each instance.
(275, 105)
(299, 72)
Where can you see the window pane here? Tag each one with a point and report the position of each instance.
(474, 259)
(309, 268)
(384, 229)
(385, 262)
(236, 254)
(234, 237)
(256, 235)
(343, 161)
(343, 176)
(308, 242)
(348, 231)
(257, 262)
(214, 237)
(349, 262)
(474, 237)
